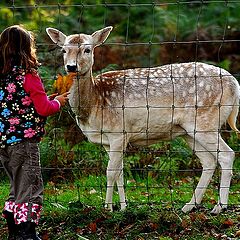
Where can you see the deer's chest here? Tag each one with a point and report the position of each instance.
(93, 132)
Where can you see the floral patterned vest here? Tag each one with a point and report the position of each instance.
(18, 117)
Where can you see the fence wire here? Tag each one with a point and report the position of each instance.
(145, 35)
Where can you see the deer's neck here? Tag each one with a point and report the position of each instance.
(82, 97)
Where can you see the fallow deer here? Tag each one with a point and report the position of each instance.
(143, 106)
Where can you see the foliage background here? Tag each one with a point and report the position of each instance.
(146, 33)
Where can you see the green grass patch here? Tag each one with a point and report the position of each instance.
(75, 211)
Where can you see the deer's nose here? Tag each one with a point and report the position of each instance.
(71, 68)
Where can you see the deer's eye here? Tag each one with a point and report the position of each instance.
(87, 50)
(63, 51)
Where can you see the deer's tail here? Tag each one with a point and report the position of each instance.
(232, 119)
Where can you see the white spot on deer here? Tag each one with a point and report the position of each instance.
(164, 80)
(114, 94)
(138, 95)
(181, 70)
(191, 90)
(156, 74)
(191, 73)
(143, 82)
(201, 84)
(130, 75)
(131, 96)
(201, 71)
(205, 95)
(134, 83)
(208, 88)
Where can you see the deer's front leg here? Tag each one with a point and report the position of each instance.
(121, 192)
(115, 174)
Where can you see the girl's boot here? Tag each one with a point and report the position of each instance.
(27, 231)
(12, 227)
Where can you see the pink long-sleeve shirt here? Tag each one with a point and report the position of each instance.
(43, 105)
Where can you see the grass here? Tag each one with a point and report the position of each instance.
(75, 211)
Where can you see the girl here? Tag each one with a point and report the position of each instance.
(24, 107)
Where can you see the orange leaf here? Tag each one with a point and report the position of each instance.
(202, 217)
(213, 201)
(93, 227)
(193, 216)
(63, 83)
(228, 223)
(185, 223)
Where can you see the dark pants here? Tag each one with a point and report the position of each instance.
(22, 164)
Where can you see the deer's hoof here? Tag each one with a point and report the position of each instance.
(217, 209)
(123, 206)
(109, 207)
(188, 207)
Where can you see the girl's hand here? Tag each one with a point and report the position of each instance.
(52, 96)
(63, 98)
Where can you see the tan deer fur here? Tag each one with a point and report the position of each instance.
(143, 106)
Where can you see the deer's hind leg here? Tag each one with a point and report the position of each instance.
(208, 164)
(224, 155)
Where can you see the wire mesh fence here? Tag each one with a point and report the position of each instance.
(145, 34)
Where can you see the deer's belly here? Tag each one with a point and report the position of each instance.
(94, 135)
(150, 136)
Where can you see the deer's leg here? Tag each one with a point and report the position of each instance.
(121, 192)
(110, 184)
(224, 155)
(115, 174)
(208, 164)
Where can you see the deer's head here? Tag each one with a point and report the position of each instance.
(78, 49)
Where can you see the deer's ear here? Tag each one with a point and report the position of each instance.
(100, 36)
(56, 36)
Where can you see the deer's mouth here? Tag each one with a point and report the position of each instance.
(71, 68)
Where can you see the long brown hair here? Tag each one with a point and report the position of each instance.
(17, 48)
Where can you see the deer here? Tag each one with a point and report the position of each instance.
(142, 106)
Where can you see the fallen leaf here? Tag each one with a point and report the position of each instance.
(213, 201)
(185, 223)
(45, 235)
(227, 223)
(153, 226)
(93, 227)
(186, 180)
(202, 217)
(193, 216)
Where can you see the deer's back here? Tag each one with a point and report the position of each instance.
(183, 84)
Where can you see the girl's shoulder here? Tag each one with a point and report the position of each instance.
(33, 72)
(32, 78)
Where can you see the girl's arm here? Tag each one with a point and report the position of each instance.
(43, 105)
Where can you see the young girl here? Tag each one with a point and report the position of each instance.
(24, 107)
